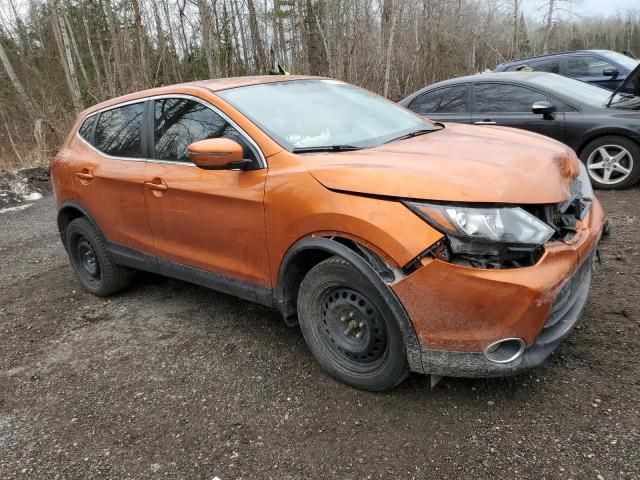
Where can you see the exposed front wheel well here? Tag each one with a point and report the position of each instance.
(299, 261)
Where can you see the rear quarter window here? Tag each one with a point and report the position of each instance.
(118, 132)
(86, 128)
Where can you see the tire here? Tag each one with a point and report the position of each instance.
(94, 267)
(349, 327)
(614, 175)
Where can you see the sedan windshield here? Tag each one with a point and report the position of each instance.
(627, 62)
(572, 89)
(313, 115)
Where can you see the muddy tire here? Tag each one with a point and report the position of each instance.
(349, 327)
(93, 265)
(613, 162)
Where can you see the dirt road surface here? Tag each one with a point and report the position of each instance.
(169, 380)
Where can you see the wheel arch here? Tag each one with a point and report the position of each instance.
(308, 252)
(606, 132)
(69, 211)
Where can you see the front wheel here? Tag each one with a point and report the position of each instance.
(613, 162)
(349, 327)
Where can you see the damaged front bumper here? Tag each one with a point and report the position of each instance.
(457, 312)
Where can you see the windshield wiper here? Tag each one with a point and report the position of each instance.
(416, 133)
(327, 148)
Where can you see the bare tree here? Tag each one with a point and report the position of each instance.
(17, 84)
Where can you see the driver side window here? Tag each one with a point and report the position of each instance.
(179, 122)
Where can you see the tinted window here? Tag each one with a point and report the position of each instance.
(551, 65)
(118, 131)
(86, 127)
(496, 97)
(180, 122)
(586, 66)
(561, 106)
(443, 100)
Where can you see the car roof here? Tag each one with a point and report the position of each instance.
(212, 85)
(478, 77)
(515, 76)
(550, 55)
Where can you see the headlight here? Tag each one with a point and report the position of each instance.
(464, 226)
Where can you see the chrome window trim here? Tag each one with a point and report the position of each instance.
(261, 158)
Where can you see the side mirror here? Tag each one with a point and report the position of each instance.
(543, 108)
(610, 72)
(218, 154)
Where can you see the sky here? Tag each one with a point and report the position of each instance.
(595, 8)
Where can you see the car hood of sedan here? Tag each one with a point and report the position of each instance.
(459, 163)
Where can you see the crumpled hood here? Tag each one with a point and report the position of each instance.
(461, 163)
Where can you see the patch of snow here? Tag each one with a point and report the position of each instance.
(15, 209)
(33, 196)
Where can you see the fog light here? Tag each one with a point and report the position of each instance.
(505, 350)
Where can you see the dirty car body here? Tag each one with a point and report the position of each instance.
(397, 244)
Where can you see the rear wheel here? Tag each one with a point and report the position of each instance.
(93, 265)
(349, 327)
(613, 162)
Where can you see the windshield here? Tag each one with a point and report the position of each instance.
(627, 62)
(574, 89)
(302, 114)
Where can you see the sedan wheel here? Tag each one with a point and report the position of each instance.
(612, 162)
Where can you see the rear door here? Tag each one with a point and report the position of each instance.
(446, 104)
(212, 220)
(509, 105)
(106, 171)
(591, 69)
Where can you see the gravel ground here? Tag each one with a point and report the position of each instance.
(172, 380)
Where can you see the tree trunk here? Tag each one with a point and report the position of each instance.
(388, 54)
(142, 46)
(115, 47)
(207, 38)
(17, 84)
(65, 56)
(548, 26)
(258, 48)
(317, 53)
(92, 55)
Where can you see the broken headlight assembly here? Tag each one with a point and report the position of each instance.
(486, 236)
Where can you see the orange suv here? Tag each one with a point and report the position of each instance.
(396, 243)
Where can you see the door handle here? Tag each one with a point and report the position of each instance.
(84, 175)
(485, 122)
(156, 184)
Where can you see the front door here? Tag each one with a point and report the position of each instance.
(107, 174)
(510, 105)
(591, 69)
(212, 220)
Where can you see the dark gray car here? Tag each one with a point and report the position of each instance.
(603, 68)
(601, 126)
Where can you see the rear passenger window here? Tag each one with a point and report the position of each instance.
(552, 65)
(179, 122)
(502, 97)
(87, 127)
(118, 132)
(442, 100)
